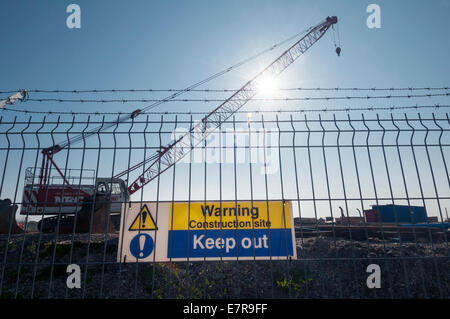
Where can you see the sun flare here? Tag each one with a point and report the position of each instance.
(267, 87)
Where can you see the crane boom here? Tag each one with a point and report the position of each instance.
(19, 96)
(174, 152)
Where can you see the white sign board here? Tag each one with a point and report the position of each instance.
(179, 231)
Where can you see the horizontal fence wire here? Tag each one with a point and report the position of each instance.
(283, 99)
(349, 180)
(249, 112)
(78, 91)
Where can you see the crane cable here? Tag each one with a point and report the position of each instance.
(338, 46)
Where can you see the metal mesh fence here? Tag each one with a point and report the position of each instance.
(364, 190)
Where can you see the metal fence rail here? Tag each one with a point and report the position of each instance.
(336, 170)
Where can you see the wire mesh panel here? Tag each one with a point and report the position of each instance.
(368, 193)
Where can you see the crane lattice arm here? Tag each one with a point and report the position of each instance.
(174, 152)
(19, 96)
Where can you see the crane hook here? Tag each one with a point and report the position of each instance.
(338, 51)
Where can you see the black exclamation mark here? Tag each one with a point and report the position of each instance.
(144, 217)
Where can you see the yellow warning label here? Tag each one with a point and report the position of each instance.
(231, 215)
(144, 220)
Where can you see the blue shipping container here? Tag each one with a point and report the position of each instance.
(401, 213)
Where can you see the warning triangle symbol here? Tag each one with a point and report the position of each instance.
(143, 221)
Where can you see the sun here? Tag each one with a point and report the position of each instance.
(267, 86)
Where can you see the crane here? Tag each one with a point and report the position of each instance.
(169, 155)
(174, 152)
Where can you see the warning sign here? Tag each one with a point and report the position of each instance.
(144, 220)
(207, 231)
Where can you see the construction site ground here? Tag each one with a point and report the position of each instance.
(327, 267)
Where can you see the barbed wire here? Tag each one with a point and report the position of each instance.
(321, 98)
(231, 90)
(303, 110)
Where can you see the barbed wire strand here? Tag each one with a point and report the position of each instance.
(231, 90)
(160, 101)
(303, 110)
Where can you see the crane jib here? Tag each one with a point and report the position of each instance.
(201, 130)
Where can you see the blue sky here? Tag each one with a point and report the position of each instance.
(156, 44)
(171, 44)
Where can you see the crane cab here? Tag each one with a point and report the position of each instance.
(115, 187)
(67, 195)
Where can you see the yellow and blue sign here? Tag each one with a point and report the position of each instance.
(230, 229)
(226, 230)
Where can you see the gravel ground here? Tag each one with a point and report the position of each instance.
(326, 268)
